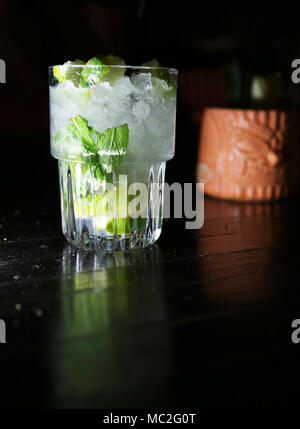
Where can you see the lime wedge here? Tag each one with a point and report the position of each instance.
(65, 72)
(93, 74)
(161, 80)
(110, 211)
(119, 226)
(163, 86)
(151, 63)
(88, 206)
(114, 73)
(112, 60)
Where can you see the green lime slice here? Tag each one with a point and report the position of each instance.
(110, 213)
(65, 72)
(154, 72)
(119, 226)
(114, 73)
(101, 205)
(101, 222)
(141, 223)
(163, 86)
(93, 74)
(162, 81)
(151, 63)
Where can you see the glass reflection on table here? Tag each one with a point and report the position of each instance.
(112, 318)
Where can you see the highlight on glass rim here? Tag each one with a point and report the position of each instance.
(109, 120)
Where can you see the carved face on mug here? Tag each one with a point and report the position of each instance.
(257, 141)
(249, 154)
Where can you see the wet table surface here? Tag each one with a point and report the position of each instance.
(202, 318)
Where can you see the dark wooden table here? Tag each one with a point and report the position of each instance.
(203, 318)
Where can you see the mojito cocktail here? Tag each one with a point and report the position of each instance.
(112, 130)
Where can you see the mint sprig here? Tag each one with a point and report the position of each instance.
(112, 146)
(105, 151)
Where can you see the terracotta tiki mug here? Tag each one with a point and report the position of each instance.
(249, 154)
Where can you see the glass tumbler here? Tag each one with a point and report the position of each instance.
(112, 140)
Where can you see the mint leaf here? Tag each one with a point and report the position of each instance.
(112, 146)
(56, 138)
(105, 151)
(94, 74)
(59, 138)
(81, 131)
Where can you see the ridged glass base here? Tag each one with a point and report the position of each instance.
(90, 213)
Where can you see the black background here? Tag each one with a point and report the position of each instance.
(188, 36)
(236, 280)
